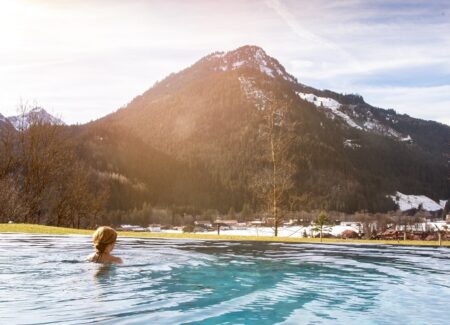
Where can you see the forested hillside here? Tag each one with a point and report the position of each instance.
(209, 138)
(347, 156)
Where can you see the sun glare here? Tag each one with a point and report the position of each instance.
(17, 19)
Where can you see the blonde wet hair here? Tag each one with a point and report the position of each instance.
(103, 237)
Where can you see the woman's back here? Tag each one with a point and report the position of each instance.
(103, 258)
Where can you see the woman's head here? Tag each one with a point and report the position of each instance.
(103, 237)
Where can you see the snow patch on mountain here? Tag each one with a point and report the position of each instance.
(268, 71)
(253, 93)
(370, 124)
(238, 64)
(330, 104)
(215, 55)
(442, 203)
(320, 101)
(407, 202)
(374, 125)
(261, 61)
(351, 144)
(3, 119)
(18, 122)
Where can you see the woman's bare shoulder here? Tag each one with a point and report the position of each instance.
(90, 257)
(117, 260)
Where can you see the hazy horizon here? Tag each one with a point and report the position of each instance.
(81, 60)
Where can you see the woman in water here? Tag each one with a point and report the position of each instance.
(104, 239)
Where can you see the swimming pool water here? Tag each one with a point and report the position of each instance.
(44, 280)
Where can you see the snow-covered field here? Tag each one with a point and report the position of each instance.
(294, 231)
(297, 231)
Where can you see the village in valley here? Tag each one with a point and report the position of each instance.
(418, 218)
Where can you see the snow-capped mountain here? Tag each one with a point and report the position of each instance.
(352, 112)
(36, 115)
(349, 155)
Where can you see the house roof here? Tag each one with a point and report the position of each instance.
(226, 222)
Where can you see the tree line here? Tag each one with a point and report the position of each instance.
(42, 179)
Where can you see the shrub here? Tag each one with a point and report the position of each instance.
(188, 228)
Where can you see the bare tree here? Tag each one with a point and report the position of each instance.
(12, 207)
(272, 184)
(8, 163)
(77, 202)
(41, 178)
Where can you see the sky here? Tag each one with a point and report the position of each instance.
(83, 59)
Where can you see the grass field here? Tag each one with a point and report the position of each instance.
(38, 229)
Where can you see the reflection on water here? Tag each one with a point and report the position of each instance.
(44, 279)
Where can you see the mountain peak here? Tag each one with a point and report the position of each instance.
(248, 56)
(23, 121)
(253, 51)
(38, 109)
(246, 50)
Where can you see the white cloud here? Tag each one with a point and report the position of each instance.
(356, 43)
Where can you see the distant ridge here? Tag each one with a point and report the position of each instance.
(37, 114)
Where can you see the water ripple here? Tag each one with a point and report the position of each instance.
(44, 280)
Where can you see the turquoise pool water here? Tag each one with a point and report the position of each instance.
(43, 280)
